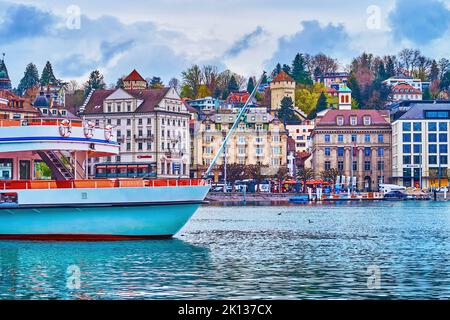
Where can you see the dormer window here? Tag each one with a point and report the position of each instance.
(353, 120)
(63, 112)
(340, 121)
(367, 120)
(54, 112)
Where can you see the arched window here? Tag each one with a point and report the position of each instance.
(346, 99)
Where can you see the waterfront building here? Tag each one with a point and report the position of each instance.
(404, 91)
(420, 145)
(402, 79)
(332, 79)
(14, 107)
(260, 139)
(282, 86)
(300, 132)
(152, 129)
(355, 142)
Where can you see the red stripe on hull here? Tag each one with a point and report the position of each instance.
(78, 237)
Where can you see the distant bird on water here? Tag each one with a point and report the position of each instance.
(310, 221)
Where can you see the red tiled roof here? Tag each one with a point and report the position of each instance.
(283, 76)
(134, 76)
(377, 117)
(150, 97)
(11, 96)
(405, 88)
(238, 97)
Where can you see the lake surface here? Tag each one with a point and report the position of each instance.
(384, 250)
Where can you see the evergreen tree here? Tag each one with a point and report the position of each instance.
(95, 82)
(155, 83)
(426, 94)
(250, 85)
(356, 90)
(233, 85)
(119, 83)
(264, 79)
(381, 72)
(286, 69)
(390, 67)
(318, 73)
(322, 103)
(30, 79)
(299, 72)
(286, 111)
(434, 71)
(47, 76)
(277, 70)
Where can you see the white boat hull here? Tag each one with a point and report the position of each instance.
(103, 214)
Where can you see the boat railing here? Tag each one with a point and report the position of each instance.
(98, 184)
(40, 122)
(46, 122)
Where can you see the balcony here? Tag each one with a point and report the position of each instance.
(150, 138)
(173, 154)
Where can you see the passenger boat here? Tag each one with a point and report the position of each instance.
(72, 207)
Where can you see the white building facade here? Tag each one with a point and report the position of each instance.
(152, 129)
(420, 146)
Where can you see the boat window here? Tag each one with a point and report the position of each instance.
(8, 198)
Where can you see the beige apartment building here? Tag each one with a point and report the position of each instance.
(259, 140)
(355, 142)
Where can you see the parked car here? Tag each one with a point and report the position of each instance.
(395, 195)
(220, 187)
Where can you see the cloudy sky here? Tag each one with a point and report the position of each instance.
(162, 37)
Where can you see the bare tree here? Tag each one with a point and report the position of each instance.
(73, 86)
(211, 77)
(406, 57)
(174, 83)
(444, 66)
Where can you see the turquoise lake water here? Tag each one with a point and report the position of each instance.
(385, 250)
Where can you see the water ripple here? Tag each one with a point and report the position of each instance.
(253, 252)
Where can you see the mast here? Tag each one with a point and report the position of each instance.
(233, 128)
